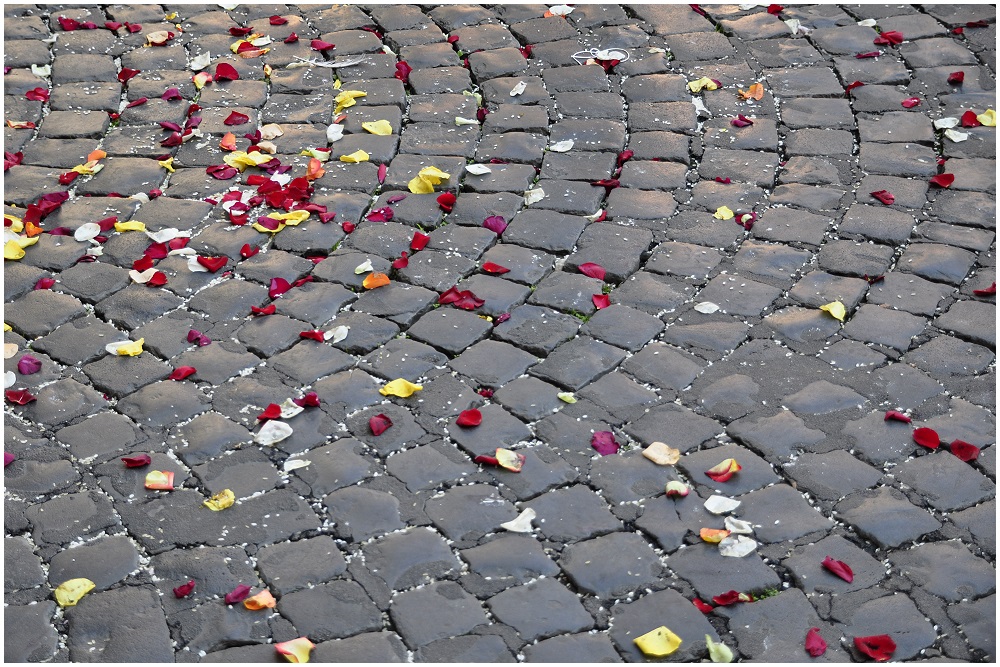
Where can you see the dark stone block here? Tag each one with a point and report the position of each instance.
(885, 517)
(437, 611)
(449, 329)
(492, 364)
(364, 648)
(461, 514)
(29, 634)
(945, 482)
(541, 609)
(363, 513)
(79, 341)
(410, 558)
(332, 610)
(105, 561)
(425, 467)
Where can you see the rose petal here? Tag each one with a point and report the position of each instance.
(890, 37)
(943, 180)
(717, 651)
(658, 643)
(721, 504)
(470, 418)
(926, 437)
(970, 119)
(375, 280)
(159, 480)
(510, 460)
(884, 196)
(604, 442)
(278, 287)
(419, 241)
(592, 270)
(910, 102)
(601, 301)
(28, 365)
(662, 454)
(296, 650)
(836, 309)
(965, 451)
(310, 400)
(869, 54)
(184, 590)
(19, 396)
(702, 606)
(878, 647)
(320, 45)
(852, 86)
(272, 432)
(70, 592)
(730, 598)
(495, 224)
(815, 645)
(137, 461)
(897, 416)
(220, 501)
(238, 594)
(724, 471)
(236, 118)
(839, 568)
(956, 78)
(182, 372)
(263, 600)
(379, 424)
(401, 388)
(403, 70)
(989, 291)
(677, 489)
(272, 411)
(490, 267)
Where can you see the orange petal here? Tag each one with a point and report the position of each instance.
(296, 650)
(96, 155)
(32, 230)
(375, 280)
(263, 600)
(314, 170)
(713, 535)
(228, 142)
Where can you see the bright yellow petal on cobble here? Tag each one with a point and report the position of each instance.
(704, 83)
(658, 643)
(70, 592)
(133, 349)
(400, 387)
(380, 127)
(357, 156)
(12, 251)
(220, 501)
(426, 179)
(347, 98)
(130, 226)
(241, 159)
(988, 118)
(296, 650)
(724, 213)
(836, 309)
(167, 164)
(290, 218)
(16, 224)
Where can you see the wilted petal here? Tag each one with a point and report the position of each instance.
(713, 535)
(495, 224)
(533, 196)
(238, 594)
(27, 365)
(723, 213)
(137, 461)
(737, 546)
(510, 460)
(738, 526)
(604, 442)
(220, 500)
(662, 454)
(379, 424)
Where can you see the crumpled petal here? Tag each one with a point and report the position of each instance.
(220, 500)
(521, 524)
(68, 593)
(737, 546)
(718, 651)
(127, 348)
(878, 647)
(604, 442)
(723, 213)
(658, 643)
(835, 308)
(400, 387)
(272, 432)
(704, 83)
(662, 454)
(347, 98)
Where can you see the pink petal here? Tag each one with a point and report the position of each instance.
(601, 301)
(238, 594)
(28, 365)
(592, 270)
(184, 590)
(815, 645)
(839, 568)
(379, 424)
(495, 224)
(604, 442)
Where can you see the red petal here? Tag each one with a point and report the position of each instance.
(136, 461)
(852, 86)
(379, 424)
(981, 23)
(485, 392)
(382, 171)
(320, 45)
(446, 201)
(171, 94)
(500, 319)
(266, 310)
(601, 301)
(741, 121)
(956, 78)
(403, 70)
(910, 102)
(240, 32)
(482, 458)
(495, 224)
(870, 54)
(490, 267)
(19, 396)
(878, 647)
(724, 471)
(730, 598)
(969, 119)
(313, 335)
(159, 279)
(278, 287)
(136, 103)
(470, 418)
(68, 177)
(126, 73)
(884, 196)
(774, 9)
(402, 262)
(926, 437)
(608, 183)
(348, 227)
(889, 37)
(38, 94)
(964, 450)
(592, 270)
(184, 590)
(133, 27)
(236, 118)
(112, 25)
(291, 39)
(213, 264)
(278, 20)
(68, 24)
(45, 283)
(526, 51)
(943, 180)
(702, 606)
(272, 411)
(247, 251)
(183, 372)
(725, 181)
(897, 416)
(419, 241)
(839, 568)
(989, 291)
(452, 39)
(624, 157)
(310, 400)
(226, 72)
(814, 643)
(604, 442)
(238, 594)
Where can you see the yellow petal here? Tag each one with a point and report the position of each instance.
(130, 226)
(7, 327)
(338, 84)
(346, 98)
(988, 118)
(724, 213)
(296, 650)
(357, 156)
(12, 250)
(200, 79)
(433, 175)
(24, 241)
(132, 349)
(290, 218)
(658, 643)
(16, 224)
(69, 592)
(379, 127)
(420, 186)
(220, 501)
(713, 535)
(704, 82)
(320, 155)
(566, 397)
(400, 387)
(718, 652)
(167, 164)
(263, 600)
(159, 480)
(836, 309)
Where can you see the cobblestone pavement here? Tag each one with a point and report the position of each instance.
(626, 288)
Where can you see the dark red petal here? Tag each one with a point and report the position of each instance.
(272, 411)
(419, 241)
(403, 70)
(8, 458)
(501, 318)
(526, 51)
(897, 416)
(720, 179)
(238, 594)
(266, 310)
(446, 201)
(943, 180)
(126, 73)
(869, 54)
(702, 606)
(956, 78)
(278, 287)
(136, 103)
(969, 119)
(213, 264)
(815, 644)
(240, 32)
(470, 418)
(877, 647)
(401, 262)
(136, 461)
(226, 72)
(278, 20)
(68, 24)
(320, 45)
(291, 39)
(490, 460)
(989, 291)
(624, 157)
(171, 94)
(607, 183)
(774, 9)
(495, 224)
(68, 177)
(728, 598)
(592, 270)
(182, 372)
(852, 86)
(965, 451)
(247, 251)
(839, 568)
(926, 437)
(159, 279)
(884, 196)
(112, 25)
(310, 400)
(601, 301)
(236, 118)
(379, 424)
(490, 267)
(383, 169)
(889, 37)
(19, 396)
(184, 590)
(604, 442)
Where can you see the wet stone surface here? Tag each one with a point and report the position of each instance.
(627, 299)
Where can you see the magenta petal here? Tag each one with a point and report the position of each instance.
(604, 442)
(379, 424)
(495, 224)
(238, 594)
(28, 365)
(815, 644)
(592, 270)
(8, 458)
(839, 568)
(184, 589)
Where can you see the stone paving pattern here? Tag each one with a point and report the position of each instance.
(389, 548)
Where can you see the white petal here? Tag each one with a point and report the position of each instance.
(518, 89)
(593, 218)
(793, 25)
(261, 41)
(295, 464)
(142, 278)
(532, 196)
(364, 267)
(465, 121)
(868, 23)
(272, 432)
(113, 347)
(561, 146)
(41, 70)
(201, 61)
(334, 133)
(164, 235)
(478, 169)
(95, 252)
(561, 10)
(9, 379)
(271, 131)
(955, 135)
(738, 527)
(182, 252)
(737, 546)
(282, 179)
(337, 334)
(194, 266)
(700, 107)
(87, 231)
(707, 307)
(9, 350)
(942, 123)
(721, 504)
(522, 524)
(290, 409)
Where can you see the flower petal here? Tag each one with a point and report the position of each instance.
(220, 500)
(604, 442)
(184, 590)
(662, 454)
(592, 270)
(495, 224)
(379, 424)
(737, 546)
(678, 489)
(910, 102)
(159, 480)
(238, 594)
(296, 650)
(601, 301)
(965, 451)
(839, 568)
(878, 647)
(470, 418)
(28, 365)
(926, 437)
(724, 471)
(719, 652)
(943, 180)
(68, 593)
(401, 388)
(723, 213)
(510, 460)
(884, 196)
(720, 504)
(836, 308)
(521, 524)
(182, 372)
(137, 461)
(896, 416)
(658, 643)
(815, 645)
(375, 279)
(263, 600)
(380, 127)
(272, 432)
